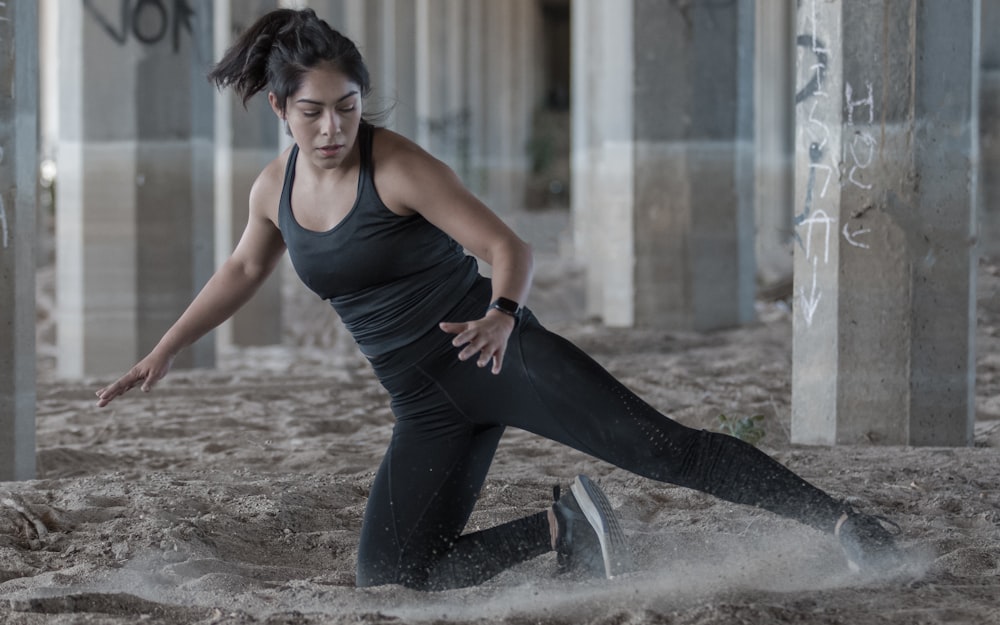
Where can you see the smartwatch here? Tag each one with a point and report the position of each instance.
(507, 307)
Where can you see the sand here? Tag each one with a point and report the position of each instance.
(235, 495)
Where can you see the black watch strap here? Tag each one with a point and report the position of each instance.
(506, 306)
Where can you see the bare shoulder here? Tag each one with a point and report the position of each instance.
(403, 168)
(391, 149)
(266, 190)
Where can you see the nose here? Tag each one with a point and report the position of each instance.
(332, 126)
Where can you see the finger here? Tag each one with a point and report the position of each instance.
(469, 351)
(452, 327)
(497, 362)
(469, 337)
(484, 359)
(123, 384)
(106, 395)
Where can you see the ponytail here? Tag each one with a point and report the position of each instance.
(279, 48)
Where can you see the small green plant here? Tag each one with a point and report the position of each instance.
(747, 429)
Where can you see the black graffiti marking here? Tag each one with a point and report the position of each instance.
(120, 37)
(814, 84)
(815, 156)
(148, 21)
(815, 46)
(138, 19)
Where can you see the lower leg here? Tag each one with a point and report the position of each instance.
(479, 556)
(733, 470)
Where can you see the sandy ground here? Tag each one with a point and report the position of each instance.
(235, 495)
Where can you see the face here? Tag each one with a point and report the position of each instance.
(323, 116)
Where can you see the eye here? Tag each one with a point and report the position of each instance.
(310, 113)
(347, 109)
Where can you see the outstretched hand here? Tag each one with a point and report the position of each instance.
(148, 371)
(486, 337)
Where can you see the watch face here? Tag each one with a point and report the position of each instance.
(506, 305)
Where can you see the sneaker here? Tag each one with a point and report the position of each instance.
(867, 540)
(590, 537)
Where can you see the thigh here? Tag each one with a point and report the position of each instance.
(552, 388)
(424, 490)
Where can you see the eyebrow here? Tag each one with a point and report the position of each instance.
(318, 103)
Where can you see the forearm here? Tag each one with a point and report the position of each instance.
(512, 267)
(225, 292)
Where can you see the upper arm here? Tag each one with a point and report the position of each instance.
(410, 179)
(261, 245)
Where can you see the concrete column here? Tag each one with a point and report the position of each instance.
(388, 45)
(584, 149)
(507, 97)
(385, 33)
(475, 93)
(774, 124)
(136, 169)
(18, 203)
(884, 265)
(245, 141)
(989, 130)
(672, 186)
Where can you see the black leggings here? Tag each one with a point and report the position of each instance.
(450, 416)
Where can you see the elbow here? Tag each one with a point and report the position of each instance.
(511, 254)
(527, 255)
(520, 254)
(252, 273)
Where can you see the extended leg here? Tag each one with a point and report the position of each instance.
(554, 389)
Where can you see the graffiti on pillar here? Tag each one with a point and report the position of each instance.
(818, 226)
(861, 158)
(812, 220)
(149, 21)
(852, 237)
(814, 227)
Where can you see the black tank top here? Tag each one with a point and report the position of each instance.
(390, 278)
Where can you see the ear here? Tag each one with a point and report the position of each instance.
(275, 105)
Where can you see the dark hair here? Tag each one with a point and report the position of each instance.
(279, 48)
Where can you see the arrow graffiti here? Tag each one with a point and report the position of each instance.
(810, 302)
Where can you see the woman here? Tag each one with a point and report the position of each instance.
(377, 226)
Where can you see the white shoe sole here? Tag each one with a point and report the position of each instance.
(601, 516)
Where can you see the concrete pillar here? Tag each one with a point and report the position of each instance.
(443, 116)
(475, 93)
(388, 44)
(18, 203)
(459, 76)
(508, 95)
(989, 130)
(884, 265)
(774, 124)
(245, 141)
(136, 169)
(671, 191)
(385, 32)
(585, 149)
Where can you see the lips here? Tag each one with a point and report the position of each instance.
(330, 150)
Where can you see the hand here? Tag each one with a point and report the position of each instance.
(486, 337)
(148, 371)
